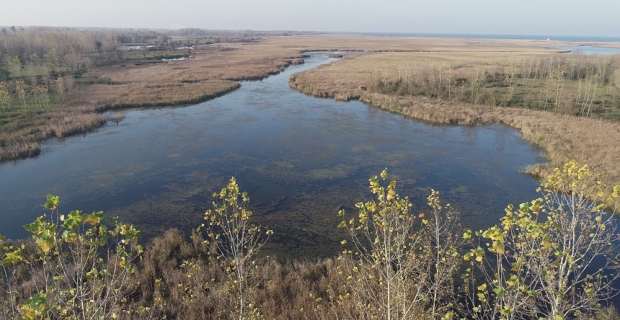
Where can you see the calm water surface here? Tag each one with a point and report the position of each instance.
(591, 50)
(301, 159)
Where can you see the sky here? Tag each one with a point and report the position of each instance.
(516, 17)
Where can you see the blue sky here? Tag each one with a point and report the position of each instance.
(531, 17)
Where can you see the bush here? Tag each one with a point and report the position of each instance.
(79, 268)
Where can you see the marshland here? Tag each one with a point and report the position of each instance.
(150, 141)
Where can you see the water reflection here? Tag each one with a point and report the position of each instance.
(300, 158)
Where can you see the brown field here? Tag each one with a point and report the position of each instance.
(209, 73)
(19, 139)
(407, 44)
(235, 62)
(212, 71)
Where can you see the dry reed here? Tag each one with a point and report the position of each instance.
(144, 95)
(20, 139)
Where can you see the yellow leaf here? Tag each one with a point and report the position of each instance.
(92, 220)
(45, 245)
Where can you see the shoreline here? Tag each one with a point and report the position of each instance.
(22, 140)
(252, 62)
(14, 152)
(563, 137)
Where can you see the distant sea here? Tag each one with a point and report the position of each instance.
(492, 36)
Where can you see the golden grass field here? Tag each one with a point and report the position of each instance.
(117, 96)
(207, 74)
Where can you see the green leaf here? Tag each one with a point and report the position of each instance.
(94, 218)
(69, 236)
(512, 280)
(12, 257)
(92, 274)
(52, 202)
(73, 220)
(36, 226)
(467, 235)
(35, 307)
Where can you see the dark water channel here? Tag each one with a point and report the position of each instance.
(300, 158)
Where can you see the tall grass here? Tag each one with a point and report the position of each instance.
(20, 138)
(576, 84)
(144, 95)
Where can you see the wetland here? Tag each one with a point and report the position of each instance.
(300, 158)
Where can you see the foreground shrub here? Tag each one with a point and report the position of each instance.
(554, 257)
(236, 239)
(403, 264)
(79, 269)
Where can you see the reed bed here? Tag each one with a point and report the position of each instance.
(106, 97)
(214, 71)
(178, 279)
(235, 63)
(370, 43)
(283, 291)
(210, 72)
(20, 139)
(19, 150)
